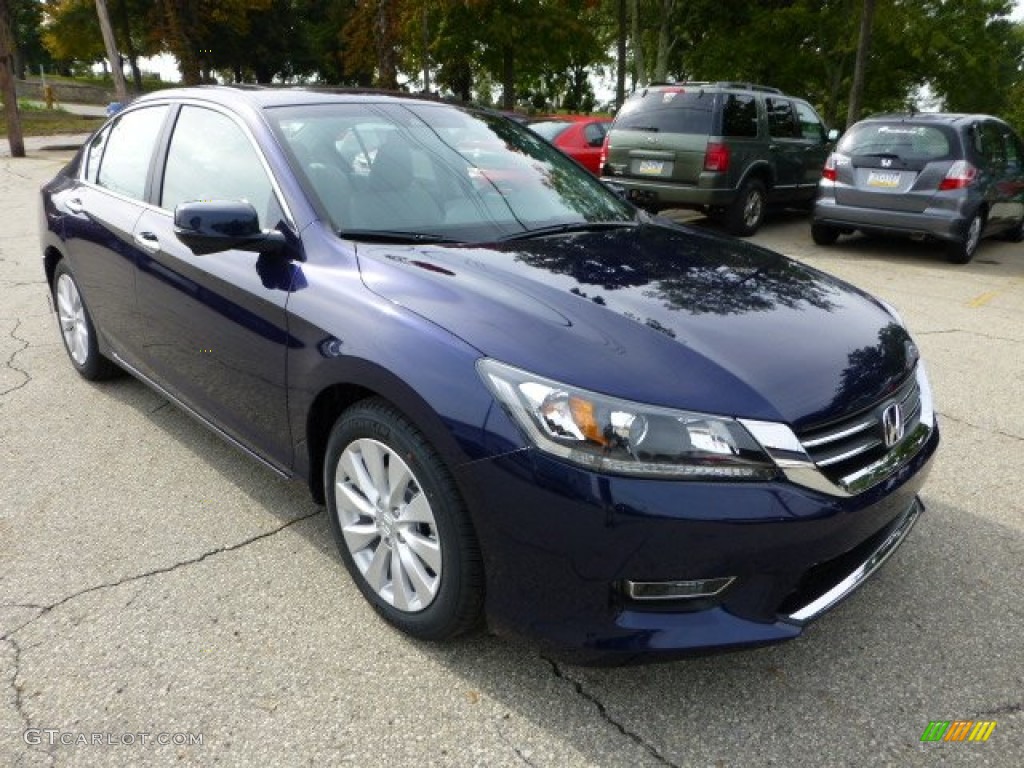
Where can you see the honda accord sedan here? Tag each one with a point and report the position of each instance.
(523, 401)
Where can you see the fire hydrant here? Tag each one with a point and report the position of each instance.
(48, 96)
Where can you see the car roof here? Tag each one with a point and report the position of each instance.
(277, 96)
(943, 118)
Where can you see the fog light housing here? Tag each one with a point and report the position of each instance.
(677, 590)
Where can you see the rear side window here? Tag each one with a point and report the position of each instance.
(810, 125)
(904, 140)
(781, 119)
(668, 111)
(122, 165)
(594, 133)
(739, 115)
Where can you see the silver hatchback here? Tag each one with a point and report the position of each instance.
(954, 178)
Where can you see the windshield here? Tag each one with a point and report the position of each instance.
(435, 171)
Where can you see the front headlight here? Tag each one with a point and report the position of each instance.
(607, 434)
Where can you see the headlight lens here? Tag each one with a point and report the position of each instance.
(611, 435)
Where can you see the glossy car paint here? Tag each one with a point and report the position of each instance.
(267, 350)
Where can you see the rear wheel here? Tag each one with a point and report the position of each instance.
(963, 250)
(823, 234)
(400, 525)
(747, 211)
(1015, 234)
(76, 328)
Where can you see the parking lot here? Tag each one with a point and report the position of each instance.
(164, 599)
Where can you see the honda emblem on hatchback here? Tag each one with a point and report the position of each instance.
(892, 425)
(886, 162)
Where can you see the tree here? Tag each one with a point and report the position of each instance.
(113, 56)
(7, 88)
(867, 16)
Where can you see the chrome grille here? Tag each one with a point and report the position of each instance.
(843, 448)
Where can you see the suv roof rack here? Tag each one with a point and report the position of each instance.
(746, 86)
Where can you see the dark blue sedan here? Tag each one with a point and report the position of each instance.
(522, 400)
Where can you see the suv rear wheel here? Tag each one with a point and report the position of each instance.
(823, 234)
(747, 211)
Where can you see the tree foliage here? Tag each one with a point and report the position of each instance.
(542, 53)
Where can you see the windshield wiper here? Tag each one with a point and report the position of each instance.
(394, 236)
(579, 226)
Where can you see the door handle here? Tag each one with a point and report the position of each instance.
(75, 205)
(147, 240)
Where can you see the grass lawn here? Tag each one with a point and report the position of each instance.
(47, 122)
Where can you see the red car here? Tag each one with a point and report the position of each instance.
(579, 136)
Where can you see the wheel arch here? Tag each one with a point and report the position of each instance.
(363, 380)
(760, 170)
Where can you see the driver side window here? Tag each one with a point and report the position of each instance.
(210, 157)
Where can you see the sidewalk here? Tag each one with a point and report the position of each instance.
(63, 142)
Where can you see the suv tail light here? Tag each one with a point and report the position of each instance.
(604, 156)
(829, 171)
(717, 157)
(959, 175)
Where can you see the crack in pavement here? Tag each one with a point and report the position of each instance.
(1006, 709)
(972, 425)
(9, 363)
(951, 331)
(46, 609)
(606, 716)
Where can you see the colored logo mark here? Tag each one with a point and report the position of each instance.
(958, 730)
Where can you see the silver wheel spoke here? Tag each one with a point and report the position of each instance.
(355, 502)
(71, 314)
(359, 536)
(403, 594)
(373, 460)
(420, 581)
(417, 511)
(425, 549)
(355, 469)
(376, 571)
(399, 477)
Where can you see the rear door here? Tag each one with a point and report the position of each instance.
(786, 147)
(896, 165)
(662, 135)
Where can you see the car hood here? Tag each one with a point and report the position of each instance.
(659, 314)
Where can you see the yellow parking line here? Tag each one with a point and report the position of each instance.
(982, 299)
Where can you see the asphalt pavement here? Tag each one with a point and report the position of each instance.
(165, 600)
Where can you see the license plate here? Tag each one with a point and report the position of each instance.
(651, 167)
(885, 179)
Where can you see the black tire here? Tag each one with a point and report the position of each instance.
(1015, 234)
(962, 251)
(746, 214)
(372, 436)
(77, 329)
(823, 234)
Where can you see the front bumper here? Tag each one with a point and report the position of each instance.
(561, 543)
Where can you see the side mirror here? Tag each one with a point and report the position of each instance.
(210, 226)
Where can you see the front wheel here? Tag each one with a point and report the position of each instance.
(747, 211)
(77, 329)
(400, 524)
(962, 251)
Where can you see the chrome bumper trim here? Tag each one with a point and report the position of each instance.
(860, 574)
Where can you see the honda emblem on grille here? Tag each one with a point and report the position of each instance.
(892, 425)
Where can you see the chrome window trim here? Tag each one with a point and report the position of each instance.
(282, 201)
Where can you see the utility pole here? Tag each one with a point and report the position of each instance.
(7, 87)
(115, 58)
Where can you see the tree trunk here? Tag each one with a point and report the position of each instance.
(664, 42)
(7, 87)
(180, 43)
(508, 78)
(387, 67)
(426, 51)
(120, 88)
(124, 24)
(861, 64)
(620, 55)
(639, 66)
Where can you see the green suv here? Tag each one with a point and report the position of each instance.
(729, 149)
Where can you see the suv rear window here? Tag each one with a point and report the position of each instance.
(904, 140)
(667, 111)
